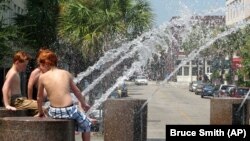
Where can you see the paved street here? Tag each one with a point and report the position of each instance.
(170, 103)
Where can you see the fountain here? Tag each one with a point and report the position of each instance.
(142, 48)
(141, 51)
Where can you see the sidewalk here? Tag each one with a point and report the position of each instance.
(94, 137)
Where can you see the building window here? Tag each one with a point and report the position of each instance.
(193, 62)
(18, 10)
(194, 71)
(178, 62)
(180, 72)
(208, 69)
(208, 62)
(186, 71)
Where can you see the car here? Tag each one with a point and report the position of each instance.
(120, 91)
(141, 80)
(242, 91)
(199, 88)
(239, 91)
(193, 85)
(208, 90)
(115, 94)
(224, 90)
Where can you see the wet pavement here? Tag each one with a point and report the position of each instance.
(94, 137)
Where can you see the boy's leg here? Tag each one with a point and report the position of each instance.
(85, 136)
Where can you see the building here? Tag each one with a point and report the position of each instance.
(237, 11)
(200, 66)
(11, 8)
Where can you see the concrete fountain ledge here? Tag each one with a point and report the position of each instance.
(36, 129)
(224, 111)
(8, 113)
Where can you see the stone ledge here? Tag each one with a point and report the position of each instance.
(36, 129)
(18, 113)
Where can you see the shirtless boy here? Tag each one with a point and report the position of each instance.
(58, 84)
(12, 97)
(33, 80)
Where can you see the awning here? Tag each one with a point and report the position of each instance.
(236, 63)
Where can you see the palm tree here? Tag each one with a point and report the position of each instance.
(94, 25)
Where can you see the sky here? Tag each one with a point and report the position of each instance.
(165, 9)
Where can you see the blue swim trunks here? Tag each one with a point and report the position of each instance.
(83, 124)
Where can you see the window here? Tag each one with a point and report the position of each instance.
(178, 62)
(208, 62)
(193, 62)
(194, 71)
(179, 71)
(186, 71)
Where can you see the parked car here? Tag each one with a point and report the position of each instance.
(123, 90)
(239, 91)
(115, 94)
(224, 90)
(243, 91)
(208, 90)
(141, 80)
(199, 88)
(193, 85)
(120, 91)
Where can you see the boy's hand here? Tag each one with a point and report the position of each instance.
(11, 108)
(85, 107)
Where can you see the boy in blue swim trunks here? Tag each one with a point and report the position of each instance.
(59, 84)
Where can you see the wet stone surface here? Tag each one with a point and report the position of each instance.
(7, 113)
(36, 129)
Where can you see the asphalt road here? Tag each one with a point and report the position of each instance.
(168, 104)
(171, 103)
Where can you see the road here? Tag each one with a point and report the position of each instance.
(170, 103)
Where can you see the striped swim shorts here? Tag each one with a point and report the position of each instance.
(83, 124)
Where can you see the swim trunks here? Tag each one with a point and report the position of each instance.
(83, 124)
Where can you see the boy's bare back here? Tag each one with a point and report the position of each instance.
(57, 84)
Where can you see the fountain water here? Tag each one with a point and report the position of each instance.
(142, 50)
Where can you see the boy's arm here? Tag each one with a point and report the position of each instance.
(7, 92)
(31, 83)
(40, 97)
(79, 96)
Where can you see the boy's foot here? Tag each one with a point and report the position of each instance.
(93, 121)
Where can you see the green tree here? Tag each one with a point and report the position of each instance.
(95, 25)
(245, 56)
(8, 35)
(39, 23)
